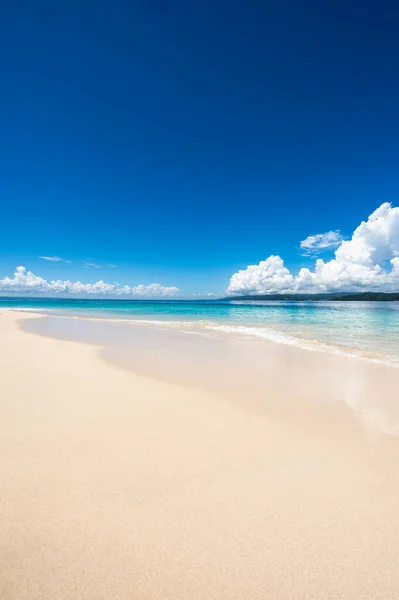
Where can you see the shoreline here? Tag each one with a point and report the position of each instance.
(120, 485)
(268, 375)
(254, 331)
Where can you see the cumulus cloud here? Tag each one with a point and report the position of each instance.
(55, 259)
(368, 261)
(24, 282)
(319, 242)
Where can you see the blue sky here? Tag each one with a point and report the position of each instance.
(183, 141)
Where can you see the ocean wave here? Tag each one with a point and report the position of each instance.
(202, 327)
(287, 339)
(205, 327)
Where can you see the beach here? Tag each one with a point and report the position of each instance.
(150, 481)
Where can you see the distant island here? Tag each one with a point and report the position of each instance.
(337, 297)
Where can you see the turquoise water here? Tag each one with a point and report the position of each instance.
(368, 328)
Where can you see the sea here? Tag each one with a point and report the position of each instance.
(365, 330)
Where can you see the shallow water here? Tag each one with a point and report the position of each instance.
(367, 329)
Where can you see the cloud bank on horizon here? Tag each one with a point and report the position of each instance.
(27, 282)
(368, 261)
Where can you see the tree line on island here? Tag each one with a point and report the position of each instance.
(337, 297)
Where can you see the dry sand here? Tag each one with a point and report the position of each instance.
(118, 486)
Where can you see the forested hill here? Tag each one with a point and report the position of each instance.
(355, 297)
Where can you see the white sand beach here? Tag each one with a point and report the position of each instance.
(119, 485)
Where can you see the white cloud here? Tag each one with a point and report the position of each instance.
(269, 274)
(25, 281)
(319, 242)
(54, 259)
(154, 290)
(89, 265)
(368, 261)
